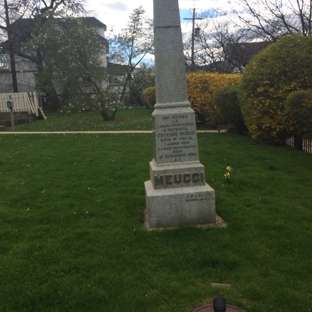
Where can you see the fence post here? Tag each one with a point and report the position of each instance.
(298, 142)
(36, 101)
(10, 107)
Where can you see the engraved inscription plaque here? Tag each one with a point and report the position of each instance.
(175, 138)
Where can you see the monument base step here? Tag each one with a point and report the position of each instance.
(179, 206)
(220, 223)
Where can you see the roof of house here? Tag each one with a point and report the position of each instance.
(92, 21)
(117, 69)
(28, 22)
(237, 56)
(21, 29)
(242, 52)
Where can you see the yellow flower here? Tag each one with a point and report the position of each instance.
(228, 168)
(227, 175)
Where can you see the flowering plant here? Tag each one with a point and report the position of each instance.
(230, 173)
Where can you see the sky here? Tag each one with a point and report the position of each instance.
(115, 14)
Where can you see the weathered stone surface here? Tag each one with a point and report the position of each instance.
(176, 175)
(182, 206)
(171, 86)
(176, 193)
(166, 13)
(175, 135)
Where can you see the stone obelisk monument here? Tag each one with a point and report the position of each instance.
(176, 193)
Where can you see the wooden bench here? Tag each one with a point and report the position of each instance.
(225, 127)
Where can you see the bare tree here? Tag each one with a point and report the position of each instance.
(10, 12)
(227, 38)
(273, 19)
(215, 42)
(132, 45)
(44, 8)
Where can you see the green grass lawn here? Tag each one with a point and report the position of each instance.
(127, 119)
(71, 234)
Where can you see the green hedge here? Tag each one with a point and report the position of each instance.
(149, 97)
(278, 70)
(227, 102)
(299, 107)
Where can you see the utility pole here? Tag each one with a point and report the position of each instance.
(195, 33)
(11, 47)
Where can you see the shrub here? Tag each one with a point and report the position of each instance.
(226, 100)
(149, 97)
(200, 90)
(278, 70)
(298, 107)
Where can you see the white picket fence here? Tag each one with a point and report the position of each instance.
(306, 143)
(22, 102)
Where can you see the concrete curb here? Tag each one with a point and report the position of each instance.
(94, 132)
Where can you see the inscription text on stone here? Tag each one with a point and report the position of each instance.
(176, 138)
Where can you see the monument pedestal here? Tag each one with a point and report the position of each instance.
(177, 193)
(179, 206)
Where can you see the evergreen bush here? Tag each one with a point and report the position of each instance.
(278, 70)
(149, 97)
(299, 108)
(201, 86)
(227, 102)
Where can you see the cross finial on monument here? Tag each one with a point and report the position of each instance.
(176, 193)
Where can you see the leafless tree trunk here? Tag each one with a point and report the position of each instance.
(10, 47)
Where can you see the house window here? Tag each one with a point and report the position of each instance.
(114, 80)
(4, 62)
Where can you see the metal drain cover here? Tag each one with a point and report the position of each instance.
(209, 308)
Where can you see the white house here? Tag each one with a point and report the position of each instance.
(27, 70)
